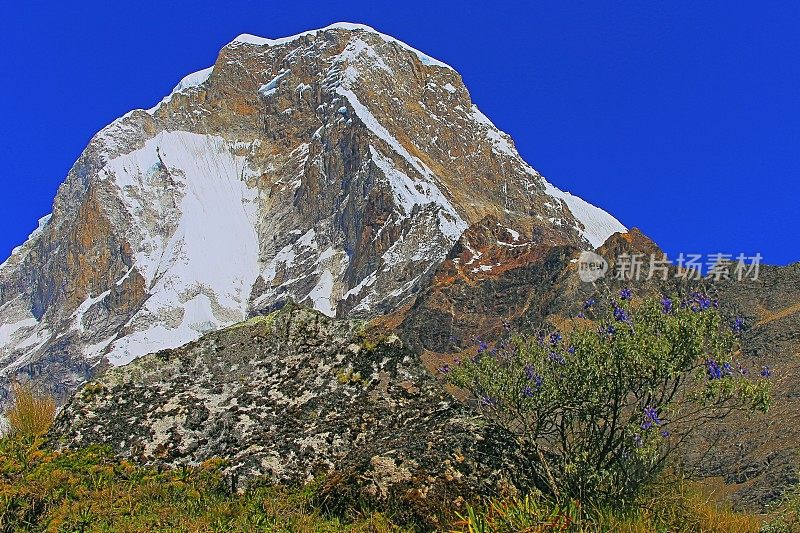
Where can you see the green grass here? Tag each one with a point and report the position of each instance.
(674, 507)
(89, 490)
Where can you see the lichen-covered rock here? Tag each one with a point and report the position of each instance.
(291, 396)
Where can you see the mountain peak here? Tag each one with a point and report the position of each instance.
(255, 40)
(337, 168)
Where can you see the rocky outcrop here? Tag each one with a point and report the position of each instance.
(336, 168)
(295, 395)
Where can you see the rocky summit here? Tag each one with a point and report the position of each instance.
(336, 168)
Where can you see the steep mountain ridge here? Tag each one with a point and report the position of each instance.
(337, 168)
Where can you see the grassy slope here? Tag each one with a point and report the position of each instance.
(89, 490)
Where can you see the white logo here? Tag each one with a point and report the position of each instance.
(591, 267)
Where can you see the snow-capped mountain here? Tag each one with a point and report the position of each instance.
(337, 168)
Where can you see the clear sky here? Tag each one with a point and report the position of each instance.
(680, 118)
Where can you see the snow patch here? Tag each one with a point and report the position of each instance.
(8, 331)
(195, 79)
(598, 225)
(269, 88)
(322, 294)
(409, 193)
(194, 216)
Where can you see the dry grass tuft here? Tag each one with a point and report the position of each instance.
(31, 412)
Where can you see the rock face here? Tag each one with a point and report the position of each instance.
(291, 396)
(337, 168)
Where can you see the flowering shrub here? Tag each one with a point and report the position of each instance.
(604, 404)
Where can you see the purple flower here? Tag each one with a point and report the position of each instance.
(531, 375)
(581, 315)
(540, 338)
(738, 325)
(611, 329)
(555, 338)
(530, 372)
(621, 315)
(444, 369)
(666, 305)
(571, 350)
(589, 303)
(726, 369)
(651, 413)
(766, 372)
(527, 391)
(557, 358)
(637, 440)
(699, 302)
(665, 433)
(625, 294)
(482, 346)
(713, 369)
(488, 400)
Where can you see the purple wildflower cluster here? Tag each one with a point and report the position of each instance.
(488, 401)
(621, 315)
(540, 338)
(555, 338)
(717, 371)
(626, 294)
(699, 302)
(738, 325)
(666, 305)
(557, 358)
(588, 304)
(532, 376)
(650, 418)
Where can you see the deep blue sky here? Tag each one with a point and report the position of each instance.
(680, 118)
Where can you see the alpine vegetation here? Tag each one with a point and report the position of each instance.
(604, 404)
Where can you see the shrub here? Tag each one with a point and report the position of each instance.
(31, 412)
(603, 406)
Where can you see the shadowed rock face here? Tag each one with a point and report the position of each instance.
(336, 168)
(291, 396)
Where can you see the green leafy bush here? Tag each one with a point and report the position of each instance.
(604, 404)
